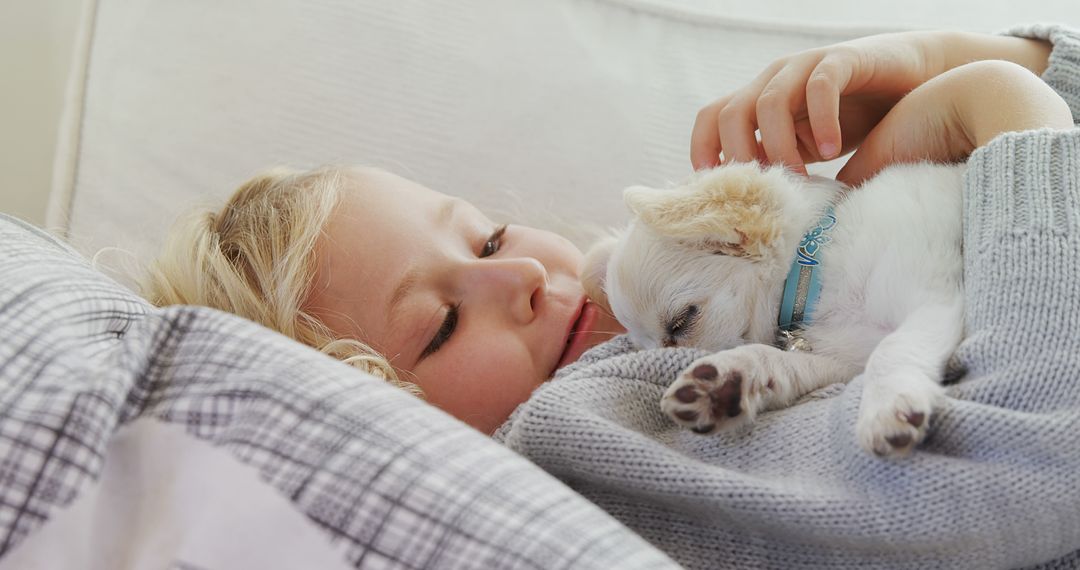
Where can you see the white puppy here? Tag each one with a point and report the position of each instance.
(871, 277)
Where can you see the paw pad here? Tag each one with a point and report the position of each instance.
(726, 398)
(894, 417)
(686, 415)
(900, 440)
(721, 392)
(687, 394)
(706, 372)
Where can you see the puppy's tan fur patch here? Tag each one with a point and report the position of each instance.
(731, 210)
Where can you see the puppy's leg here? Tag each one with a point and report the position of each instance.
(903, 379)
(727, 389)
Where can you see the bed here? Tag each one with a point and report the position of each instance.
(186, 438)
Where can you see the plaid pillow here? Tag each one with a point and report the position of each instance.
(385, 479)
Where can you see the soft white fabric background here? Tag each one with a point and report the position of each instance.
(561, 103)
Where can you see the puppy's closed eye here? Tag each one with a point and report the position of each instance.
(681, 325)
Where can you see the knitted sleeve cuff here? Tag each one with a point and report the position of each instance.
(1022, 227)
(1063, 68)
(1023, 183)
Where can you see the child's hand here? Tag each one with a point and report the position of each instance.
(817, 104)
(949, 116)
(821, 103)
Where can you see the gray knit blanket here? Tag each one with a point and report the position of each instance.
(996, 484)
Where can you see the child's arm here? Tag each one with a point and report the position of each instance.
(959, 48)
(818, 104)
(946, 118)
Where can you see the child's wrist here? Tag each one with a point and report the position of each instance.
(961, 48)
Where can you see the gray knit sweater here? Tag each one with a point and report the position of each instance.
(996, 483)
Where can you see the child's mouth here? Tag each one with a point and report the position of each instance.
(577, 339)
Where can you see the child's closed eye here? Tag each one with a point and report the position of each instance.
(443, 334)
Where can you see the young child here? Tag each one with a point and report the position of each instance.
(425, 291)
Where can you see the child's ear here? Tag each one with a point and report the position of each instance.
(730, 210)
(594, 273)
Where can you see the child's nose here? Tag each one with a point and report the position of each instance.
(516, 284)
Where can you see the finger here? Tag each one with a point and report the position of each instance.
(705, 138)
(776, 105)
(733, 124)
(823, 88)
(736, 128)
(762, 156)
(807, 147)
(808, 154)
(778, 135)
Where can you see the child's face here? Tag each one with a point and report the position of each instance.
(480, 320)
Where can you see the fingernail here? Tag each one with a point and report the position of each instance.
(827, 150)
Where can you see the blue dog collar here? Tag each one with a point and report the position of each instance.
(803, 285)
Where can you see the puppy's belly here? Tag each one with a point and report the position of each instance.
(896, 247)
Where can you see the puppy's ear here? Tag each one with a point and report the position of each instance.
(594, 273)
(730, 210)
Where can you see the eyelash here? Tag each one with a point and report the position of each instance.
(684, 322)
(443, 334)
(491, 247)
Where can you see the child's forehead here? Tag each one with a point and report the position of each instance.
(383, 202)
(389, 195)
(377, 184)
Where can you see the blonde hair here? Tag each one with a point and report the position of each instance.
(256, 258)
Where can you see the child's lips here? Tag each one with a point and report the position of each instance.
(577, 337)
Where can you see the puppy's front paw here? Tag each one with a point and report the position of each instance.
(718, 392)
(895, 414)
